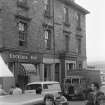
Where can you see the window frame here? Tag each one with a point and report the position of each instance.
(79, 45)
(25, 20)
(67, 39)
(23, 34)
(47, 40)
(79, 22)
(47, 8)
(66, 16)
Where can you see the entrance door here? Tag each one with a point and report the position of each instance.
(22, 76)
(57, 73)
(22, 80)
(47, 72)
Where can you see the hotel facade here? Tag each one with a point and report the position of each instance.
(41, 39)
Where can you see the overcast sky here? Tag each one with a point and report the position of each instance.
(95, 29)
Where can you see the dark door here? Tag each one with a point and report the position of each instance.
(57, 73)
(22, 81)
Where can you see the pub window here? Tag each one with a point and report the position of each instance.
(47, 6)
(47, 35)
(22, 28)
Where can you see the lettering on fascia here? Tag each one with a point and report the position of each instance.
(16, 56)
(34, 57)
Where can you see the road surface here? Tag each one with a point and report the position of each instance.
(77, 102)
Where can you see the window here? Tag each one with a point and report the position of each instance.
(79, 45)
(66, 16)
(22, 28)
(22, 4)
(47, 8)
(78, 22)
(70, 66)
(75, 80)
(47, 35)
(67, 43)
(80, 65)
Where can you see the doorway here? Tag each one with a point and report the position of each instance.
(57, 72)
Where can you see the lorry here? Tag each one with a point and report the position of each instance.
(76, 83)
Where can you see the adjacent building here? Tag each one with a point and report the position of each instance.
(42, 39)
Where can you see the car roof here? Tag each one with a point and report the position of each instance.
(43, 82)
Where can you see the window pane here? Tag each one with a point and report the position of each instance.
(66, 15)
(79, 46)
(46, 34)
(21, 26)
(65, 11)
(75, 81)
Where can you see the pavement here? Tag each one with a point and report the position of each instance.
(77, 102)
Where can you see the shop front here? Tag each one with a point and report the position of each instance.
(25, 67)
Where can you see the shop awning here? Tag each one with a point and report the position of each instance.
(29, 67)
(4, 70)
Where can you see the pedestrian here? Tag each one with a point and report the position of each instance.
(49, 99)
(95, 96)
(17, 90)
(2, 91)
(11, 90)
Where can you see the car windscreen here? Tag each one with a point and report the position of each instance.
(33, 86)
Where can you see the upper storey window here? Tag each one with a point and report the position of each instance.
(79, 21)
(47, 35)
(66, 16)
(22, 28)
(47, 6)
(79, 45)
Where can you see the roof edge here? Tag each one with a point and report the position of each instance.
(75, 5)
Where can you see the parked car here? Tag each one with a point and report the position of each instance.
(43, 87)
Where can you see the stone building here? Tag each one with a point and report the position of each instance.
(42, 39)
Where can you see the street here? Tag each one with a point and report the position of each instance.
(77, 102)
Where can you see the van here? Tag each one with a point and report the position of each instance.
(43, 87)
